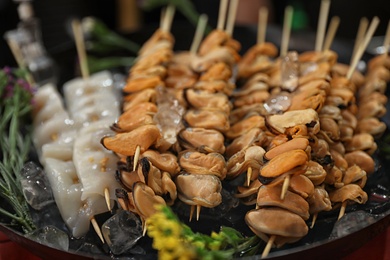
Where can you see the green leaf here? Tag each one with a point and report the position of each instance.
(96, 64)
(102, 36)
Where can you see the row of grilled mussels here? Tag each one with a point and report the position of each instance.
(301, 132)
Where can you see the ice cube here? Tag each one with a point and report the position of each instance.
(50, 236)
(278, 103)
(122, 231)
(169, 115)
(49, 215)
(90, 248)
(352, 222)
(36, 187)
(290, 71)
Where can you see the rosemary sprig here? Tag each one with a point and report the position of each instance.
(15, 105)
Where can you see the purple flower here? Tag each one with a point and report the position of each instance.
(7, 70)
(8, 91)
(25, 85)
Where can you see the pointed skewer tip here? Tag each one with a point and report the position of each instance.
(192, 210)
(136, 157)
(342, 210)
(97, 229)
(286, 184)
(198, 208)
(313, 220)
(268, 247)
(107, 197)
(248, 176)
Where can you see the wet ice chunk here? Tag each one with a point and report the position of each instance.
(352, 222)
(122, 231)
(169, 115)
(290, 71)
(90, 248)
(278, 103)
(48, 216)
(36, 187)
(308, 67)
(50, 236)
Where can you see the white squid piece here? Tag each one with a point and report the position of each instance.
(93, 99)
(67, 191)
(51, 120)
(68, 146)
(95, 165)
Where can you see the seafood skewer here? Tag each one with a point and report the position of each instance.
(90, 100)
(355, 59)
(246, 100)
(54, 135)
(82, 101)
(208, 112)
(146, 131)
(87, 105)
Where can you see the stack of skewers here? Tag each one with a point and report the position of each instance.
(300, 128)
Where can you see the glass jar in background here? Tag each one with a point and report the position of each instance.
(27, 45)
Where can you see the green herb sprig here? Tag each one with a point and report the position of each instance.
(15, 106)
(100, 39)
(175, 240)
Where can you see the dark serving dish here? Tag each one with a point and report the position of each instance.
(328, 239)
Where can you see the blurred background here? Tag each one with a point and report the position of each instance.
(137, 19)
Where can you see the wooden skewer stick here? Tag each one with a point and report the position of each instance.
(248, 176)
(323, 17)
(386, 42)
(192, 212)
(286, 184)
(200, 28)
(144, 229)
(288, 14)
(314, 220)
(198, 208)
(97, 229)
(162, 15)
(334, 24)
(231, 17)
(107, 197)
(268, 246)
(360, 35)
(168, 18)
(80, 45)
(373, 25)
(262, 25)
(17, 53)
(82, 55)
(342, 210)
(222, 14)
(136, 157)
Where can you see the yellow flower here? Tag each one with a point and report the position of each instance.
(215, 245)
(168, 238)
